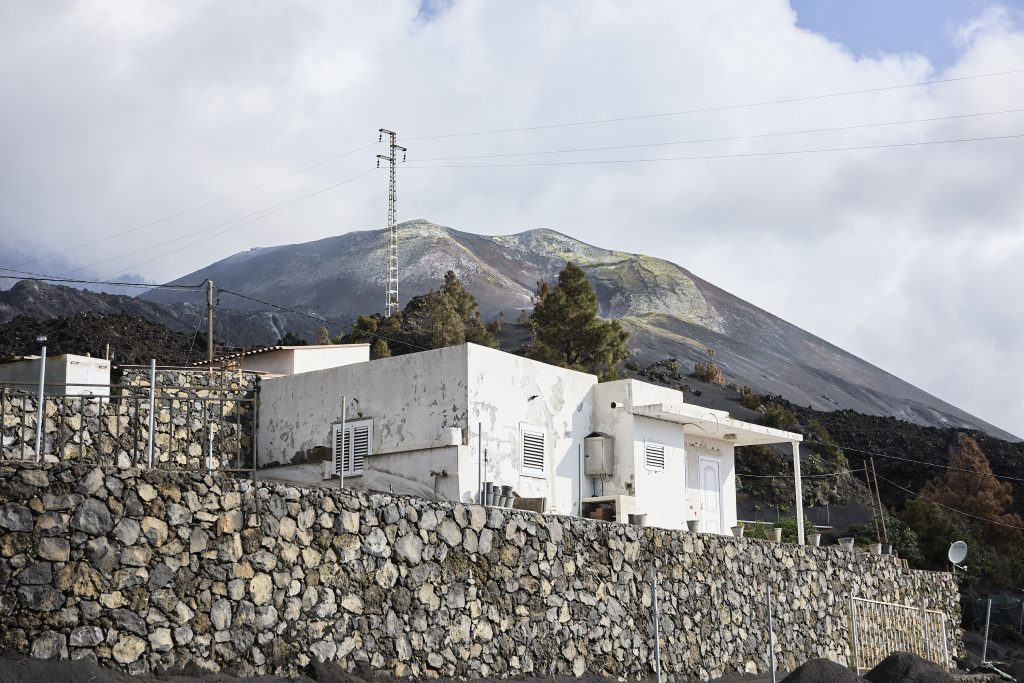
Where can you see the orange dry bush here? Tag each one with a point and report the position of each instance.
(977, 492)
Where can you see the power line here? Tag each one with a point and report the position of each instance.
(803, 476)
(195, 208)
(723, 139)
(47, 278)
(252, 218)
(321, 319)
(951, 509)
(726, 156)
(727, 107)
(918, 462)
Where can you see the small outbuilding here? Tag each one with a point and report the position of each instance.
(280, 361)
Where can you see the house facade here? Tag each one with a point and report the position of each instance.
(450, 419)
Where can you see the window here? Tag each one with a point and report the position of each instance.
(535, 460)
(654, 456)
(351, 446)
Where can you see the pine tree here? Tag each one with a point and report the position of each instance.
(970, 487)
(567, 331)
(323, 337)
(380, 349)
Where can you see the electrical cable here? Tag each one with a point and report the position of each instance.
(321, 319)
(918, 462)
(802, 476)
(722, 139)
(951, 509)
(195, 208)
(728, 107)
(56, 278)
(599, 162)
(252, 218)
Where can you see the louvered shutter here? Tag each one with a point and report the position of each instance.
(534, 452)
(654, 456)
(360, 447)
(351, 446)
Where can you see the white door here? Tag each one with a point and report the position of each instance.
(710, 496)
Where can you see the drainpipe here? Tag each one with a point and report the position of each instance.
(40, 415)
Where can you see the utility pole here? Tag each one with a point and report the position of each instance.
(209, 321)
(391, 304)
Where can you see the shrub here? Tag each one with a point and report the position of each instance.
(749, 399)
(708, 372)
(778, 416)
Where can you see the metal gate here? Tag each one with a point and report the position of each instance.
(878, 629)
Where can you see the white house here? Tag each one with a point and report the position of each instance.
(292, 360)
(449, 419)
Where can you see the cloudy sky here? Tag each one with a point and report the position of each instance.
(117, 114)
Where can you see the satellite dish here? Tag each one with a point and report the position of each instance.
(957, 552)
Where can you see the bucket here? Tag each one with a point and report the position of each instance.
(737, 531)
(887, 548)
(777, 534)
(506, 491)
(875, 548)
(693, 525)
(846, 543)
(815, 539)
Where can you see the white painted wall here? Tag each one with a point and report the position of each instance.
(499, 399)
(413, 400)
(64, 375)
(661, 494)
(291, 361)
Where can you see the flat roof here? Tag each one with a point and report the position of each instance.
(716, 424)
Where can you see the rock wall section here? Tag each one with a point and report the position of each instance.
(144, 568)
(191, 405)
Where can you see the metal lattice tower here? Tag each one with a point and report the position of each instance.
(391, 304)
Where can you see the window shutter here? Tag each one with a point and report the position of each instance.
(534, 452)
(351, 446)
(654, 456)
(360, 447)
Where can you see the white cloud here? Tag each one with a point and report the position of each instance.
(127, 112)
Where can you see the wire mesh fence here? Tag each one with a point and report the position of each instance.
(166, 426)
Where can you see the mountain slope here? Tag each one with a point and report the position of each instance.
(670, 312)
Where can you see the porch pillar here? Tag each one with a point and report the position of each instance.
(798, 491)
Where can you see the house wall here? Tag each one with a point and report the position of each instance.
(500, 389)
(413, 400)
(309, 359)
(271, 362)
(424, 466)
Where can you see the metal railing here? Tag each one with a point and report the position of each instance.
(170, 427)
(878, 629)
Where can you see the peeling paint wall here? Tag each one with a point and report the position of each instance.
(506, 392)
(411, 399)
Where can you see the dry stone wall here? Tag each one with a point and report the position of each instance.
(141, 569)
(188, 410)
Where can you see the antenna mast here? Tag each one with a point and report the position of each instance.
(391, 304)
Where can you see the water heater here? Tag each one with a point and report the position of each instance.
(599, 455)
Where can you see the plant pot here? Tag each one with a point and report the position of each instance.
(777, 534)
(737, 531)
(875, 548)
(887, 548)
(693, 525)
(638, 518)
(846, 543)
(506, 490)
(814, 539)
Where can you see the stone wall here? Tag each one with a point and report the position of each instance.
(147, 568)
(117, 428)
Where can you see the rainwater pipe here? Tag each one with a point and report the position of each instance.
(42, 399)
